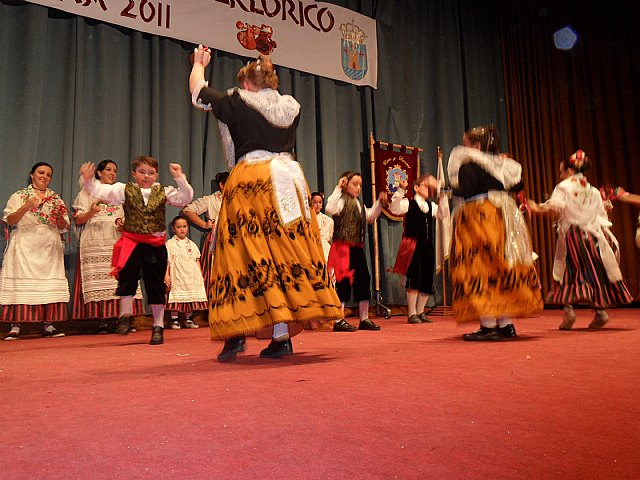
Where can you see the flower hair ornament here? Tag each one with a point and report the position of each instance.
(577, 159)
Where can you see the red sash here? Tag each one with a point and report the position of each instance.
(339, 259)
(405, 254)
(128, 241)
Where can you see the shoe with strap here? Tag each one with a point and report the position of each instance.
(568, 318)
(124, 325)
(191, 324)
(175, 324)
(277, 349)
(51, 332)
(424, 318)
(367, 324)
(342, 326)
(485, 334)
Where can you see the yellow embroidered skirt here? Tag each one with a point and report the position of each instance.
(268, 265)
(483, 282)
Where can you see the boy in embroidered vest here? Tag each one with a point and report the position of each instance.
(416, 255)
(141, 249)
(346, 257)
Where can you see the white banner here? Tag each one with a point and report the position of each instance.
(306, 35)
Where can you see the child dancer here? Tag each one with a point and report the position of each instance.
(416, 255)
(347, 257)
(141, 248)
(184, 277)
(585, 266)
(492, 271)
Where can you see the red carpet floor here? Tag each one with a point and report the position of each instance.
(408, 402)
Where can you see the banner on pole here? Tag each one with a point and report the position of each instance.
(307, 35)
(392, 165)
(443, 218)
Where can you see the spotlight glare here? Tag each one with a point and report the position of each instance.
(565, 38)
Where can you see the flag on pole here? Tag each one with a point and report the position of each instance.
(443, 217)
(392, 164)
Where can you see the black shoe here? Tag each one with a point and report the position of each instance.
(157, 337)
(277, 349)
(368, 325)
(424, 318)
(103, 328)
(414, 319)
(508, 331)
(231, 347)
(53, 333)
(483, 335)
(343, 326)
(124, 325)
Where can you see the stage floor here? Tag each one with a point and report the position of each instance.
(407, 402)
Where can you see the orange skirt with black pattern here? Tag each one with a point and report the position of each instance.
(483, 282)
(265, 272)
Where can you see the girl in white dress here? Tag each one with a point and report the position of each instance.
(184, 277)
(33, 286)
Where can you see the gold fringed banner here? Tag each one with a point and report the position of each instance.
(394, 163)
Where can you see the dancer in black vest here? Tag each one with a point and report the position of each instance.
(416, 255)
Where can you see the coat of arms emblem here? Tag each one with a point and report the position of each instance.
(354, 51)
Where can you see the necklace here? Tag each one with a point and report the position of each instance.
(39, 189)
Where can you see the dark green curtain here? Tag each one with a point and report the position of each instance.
(74, 90)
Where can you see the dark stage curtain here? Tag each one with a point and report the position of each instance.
(560, 100)
(74, 89)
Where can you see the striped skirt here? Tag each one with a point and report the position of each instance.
(99, 309)
(186, 307)
(585, 278)
(49, 312)
(206, 256)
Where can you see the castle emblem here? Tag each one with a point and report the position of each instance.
(354, 51)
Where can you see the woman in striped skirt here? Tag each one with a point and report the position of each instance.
(585, 266)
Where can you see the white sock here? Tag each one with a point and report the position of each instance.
(126, 305)
(48, 327)
(422, 302)
(363, 308)
(158, 315)
(488, 322)
(504, 321)
(280, 332)
(412, 298)
(15, 327)
(187, 316)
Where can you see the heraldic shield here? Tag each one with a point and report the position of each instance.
(354, 59)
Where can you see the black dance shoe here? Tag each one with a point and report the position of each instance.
(277, 349)
(424, 318)
(368, 325)
(508, 331)
(414, 319)
(231, 347)
(157, 336)
(485, 334)
(124, 325)
(343, 326)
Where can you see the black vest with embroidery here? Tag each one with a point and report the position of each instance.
(141, 218)
(350, 224)
(418, 224)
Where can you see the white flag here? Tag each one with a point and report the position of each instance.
(443, 218)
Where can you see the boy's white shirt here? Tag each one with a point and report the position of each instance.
(335, 204)
(114, 194)
(400, 206)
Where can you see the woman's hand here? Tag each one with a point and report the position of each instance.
(201, 55)
(87, 170)
(32, 202)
